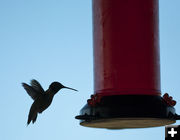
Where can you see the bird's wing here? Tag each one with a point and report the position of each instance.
(31, 91)
(36, 85)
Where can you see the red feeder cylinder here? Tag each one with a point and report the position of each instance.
(126, 47)
(126, 67)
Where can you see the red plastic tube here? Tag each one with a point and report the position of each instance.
(126, 47)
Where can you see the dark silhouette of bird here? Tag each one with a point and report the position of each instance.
(42, 99)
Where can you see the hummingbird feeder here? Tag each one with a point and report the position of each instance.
(127, 92)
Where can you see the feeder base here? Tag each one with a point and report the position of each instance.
(128, 111)
(122, 123)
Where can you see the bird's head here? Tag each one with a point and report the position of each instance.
(56, 86)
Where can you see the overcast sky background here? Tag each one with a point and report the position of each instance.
(51, 40)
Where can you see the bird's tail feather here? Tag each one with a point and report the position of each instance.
(32, 115)
(34, 119)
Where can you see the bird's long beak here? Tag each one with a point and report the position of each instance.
(70, 88)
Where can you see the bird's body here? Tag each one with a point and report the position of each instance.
(43, 102)
(42, 99)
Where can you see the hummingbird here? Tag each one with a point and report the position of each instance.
(42, 99)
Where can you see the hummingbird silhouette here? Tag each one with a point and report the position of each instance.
(42, 99)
